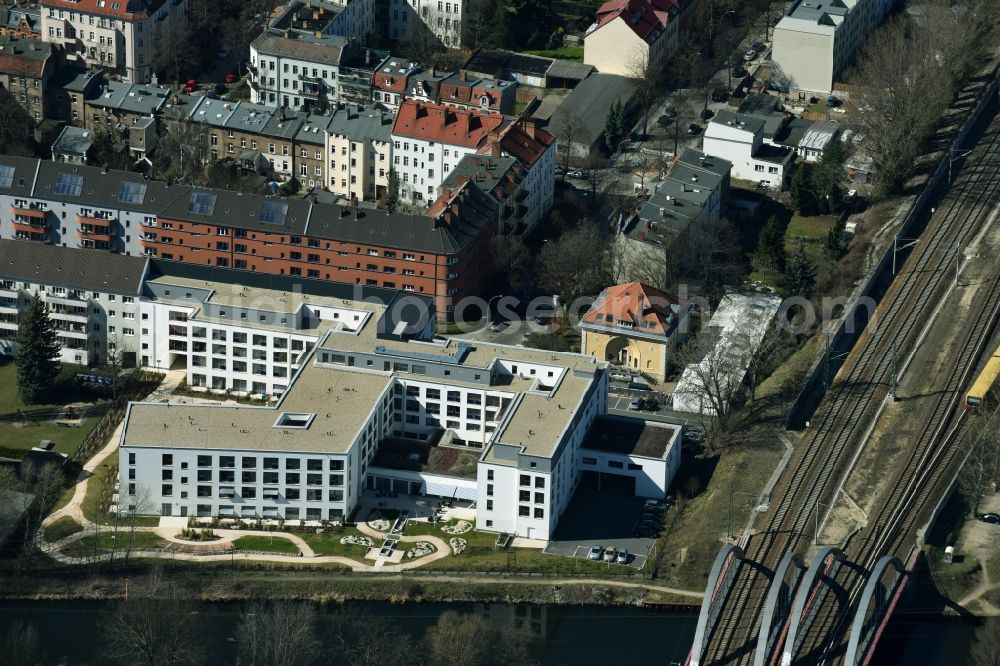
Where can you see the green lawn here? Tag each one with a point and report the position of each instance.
(104, 542)
(563, 52)
(91, 505)
(267, 544)
(20, 435)
(61, 529)
(813, 227)
(328, 543)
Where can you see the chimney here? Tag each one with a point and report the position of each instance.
(354, 201)
(454, 209)
(318, 35)
(431, 70)
(462, 74)
(104, 168)
(529, 128)
(313, 200)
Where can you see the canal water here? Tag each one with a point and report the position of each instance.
(918, 634)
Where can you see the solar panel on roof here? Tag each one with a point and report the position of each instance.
(132, 193)
(69, 184)
(273, 212)
(6, 175)
(202, 203)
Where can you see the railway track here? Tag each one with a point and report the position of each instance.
(855, 399)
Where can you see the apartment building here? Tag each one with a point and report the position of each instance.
(444, 256)
(535, 149)
(442, 19)
(429, 140)
(359, 151)
(27, 68)
(363, 395)
(816, 41)
(470, 92)
(117, 36)
(247, 132)
(652, 244)
(92, 299)
(71, 88)
(390, 82)
(311, 57)
(501, 177)
(739, 139)
(631, 36)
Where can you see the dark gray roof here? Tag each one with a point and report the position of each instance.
(71, 267)
(703, 162)
(73, 141)
(486, 171)
(77, 79)
(529, 64)
(743, 121)
(369, 122)
(99, 189)
(141, 98)
(242, 211)
(590, 101)
(567, 69)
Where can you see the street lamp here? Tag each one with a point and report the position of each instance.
(489, 308)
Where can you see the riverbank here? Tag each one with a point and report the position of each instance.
(249, 580)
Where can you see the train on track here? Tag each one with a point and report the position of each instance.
(985, 383)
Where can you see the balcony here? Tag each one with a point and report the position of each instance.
(30, 224)
(71, 332)
(8, 322)
(178, 331)
(94, 237)
(177, 346)
(72, 302)
(8, 306)
(78, 315)
(147, 241)
(30, 211)
(8, 290)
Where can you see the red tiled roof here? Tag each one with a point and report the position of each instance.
(644, 17)
(435, 122)
(390, 82)
(126, 9)
(646, 308)
(12, 64)
(519, 144)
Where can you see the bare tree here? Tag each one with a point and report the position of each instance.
(15, 126)
(601, 180)
(420, 44)
(277, 634)
(156, 626)
(574, 265)
(458, 639)
(140, 503)
(367, 640)
(22, 646)
(648, 79)
(173, 50)
(182, 152)
(905, 77)
(982, 466)
(568, 129)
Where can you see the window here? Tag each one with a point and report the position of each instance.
(523, 511)
(167, 489)
(227, 461)
(539, 512)
(539, 498)
(249, 462)
(168, 459)
(489, 505)
(525, 480)
(524, 496)
(539, 481)
(204, 475)
(314, 465)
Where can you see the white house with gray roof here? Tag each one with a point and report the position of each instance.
(739, 139)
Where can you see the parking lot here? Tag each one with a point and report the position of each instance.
(604, 512)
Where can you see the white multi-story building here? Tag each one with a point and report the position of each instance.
(633, 36)
(364, 411)
(359, 151)
(441, 18)
(118, 35)
(428, 141)
(816, 40)
(93, 299)
(739, 138)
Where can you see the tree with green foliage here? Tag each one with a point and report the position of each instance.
(770, 255)
(835, 243)
(801, 191)
(392, 191)
(614, 125)
(826, 177)
(800, 273)
(37, 354)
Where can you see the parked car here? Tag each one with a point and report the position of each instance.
(499, 326)
(609, 554)
(636, 403)
(758, 47)
(190, 85)
(832, 102)
(991, 518)
(623, 557)
(231, 77)
(739, 71)
(654, 504)
(575, 174)
(694, 128)
(720, 95)
(651, 405)
(595, 553)
(707, 113)
(750, 55)
(220, 89)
